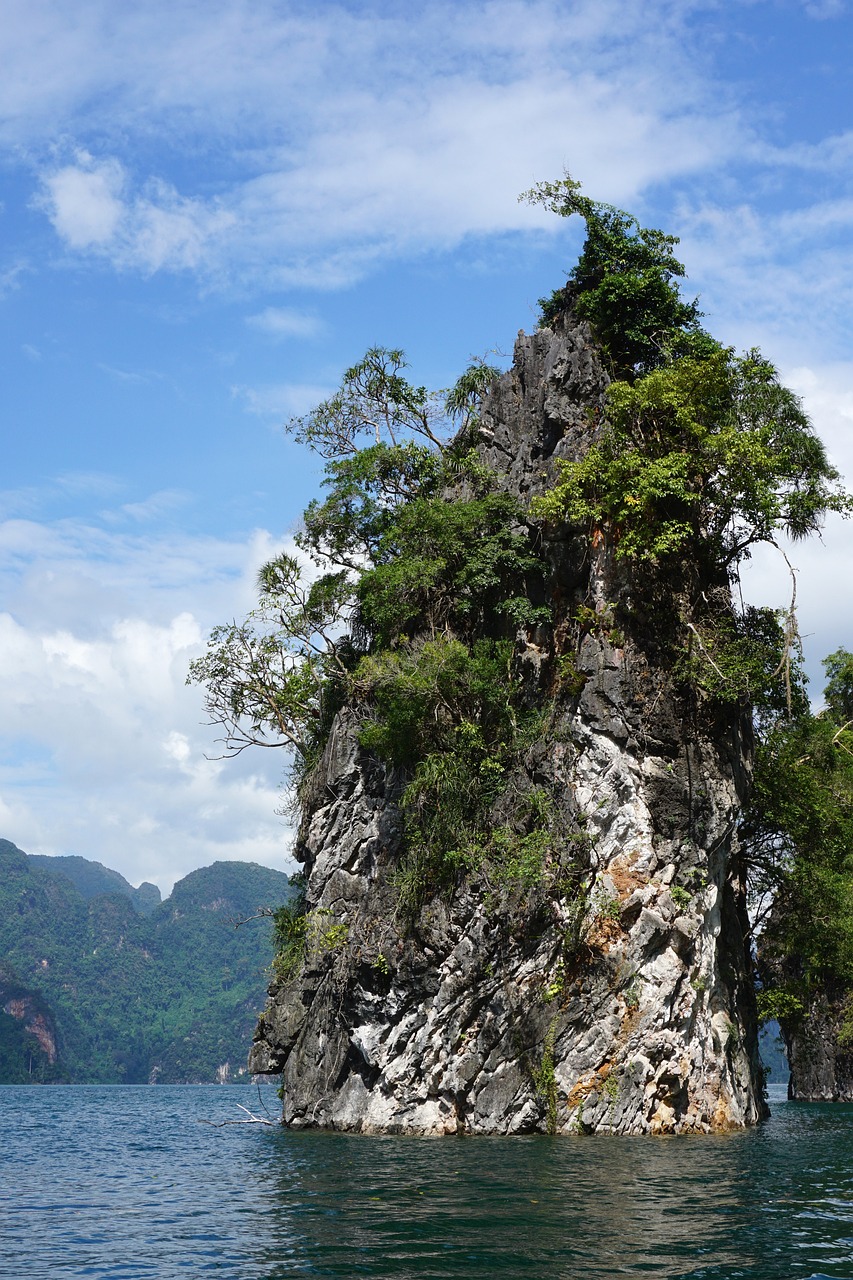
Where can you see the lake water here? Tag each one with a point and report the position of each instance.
(126, 1183)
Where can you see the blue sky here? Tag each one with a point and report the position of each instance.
(210, 209)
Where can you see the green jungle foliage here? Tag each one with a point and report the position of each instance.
(424, 569)
(701, 451)
(625, 284)
(175, 993)
(92, 878)
(798, 828)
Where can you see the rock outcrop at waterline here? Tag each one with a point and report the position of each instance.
(625, 1006)
(817, 1037)
(820, 1054)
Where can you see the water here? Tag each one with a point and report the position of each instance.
(126, 1183)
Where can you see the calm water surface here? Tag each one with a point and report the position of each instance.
(126, 1183)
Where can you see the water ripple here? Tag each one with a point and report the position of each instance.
(125, 1184)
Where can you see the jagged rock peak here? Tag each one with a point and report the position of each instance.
(510, 1008)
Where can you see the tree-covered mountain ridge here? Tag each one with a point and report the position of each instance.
(102, 982)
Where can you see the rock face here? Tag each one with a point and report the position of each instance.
(623, 1007)
(821, 1067)
(28, 1039)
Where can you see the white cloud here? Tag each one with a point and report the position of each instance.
(10, 278)
(110, 744)
(823, 9)
(777, 279)
(285, 322)
(84, 202)
(93, 209)
(355, 136)
(282, 400)
(156, 505)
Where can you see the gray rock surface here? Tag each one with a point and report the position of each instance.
(821, 1067)
(512, 1010)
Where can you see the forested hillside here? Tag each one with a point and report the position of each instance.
(93, 991)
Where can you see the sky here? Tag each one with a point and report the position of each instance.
(210, 208)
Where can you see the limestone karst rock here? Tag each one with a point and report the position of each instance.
(817, 1038)
(819, 1054)
(519, 1008)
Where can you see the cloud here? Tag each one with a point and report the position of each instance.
(472, 105)
(93, 210)
(156, 505)
(10, 278)
(824, 9)
(285, 322)
(84, 202)
(110, 747)
(778, 278)
(355, 137)
(281, 400)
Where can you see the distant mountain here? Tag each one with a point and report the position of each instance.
(92, 878)
(130, 991)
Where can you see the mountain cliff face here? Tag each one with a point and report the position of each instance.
(28, 1048)
(820, 1054)
(605, 988)
(817, 1036)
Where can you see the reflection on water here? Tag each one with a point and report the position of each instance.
(125, 1183)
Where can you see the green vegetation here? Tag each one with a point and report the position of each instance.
(299, 934)
(92, 878)
(700, 451)
(177, 990)
(625, 284)
(798, 829)
(433, 568)
(545, 1078)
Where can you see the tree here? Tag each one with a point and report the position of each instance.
(268, 678)
(700, 453)
(374, 398)
(379, 546)
(797, 828)
(713, 454)
(625, 283)
(839, 685)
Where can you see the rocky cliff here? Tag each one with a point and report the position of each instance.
(28, 1040)
(819, 1035)
(605, 989)
(819, 1052)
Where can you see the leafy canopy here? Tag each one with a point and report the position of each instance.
(625, 283)
(798, 831)
(394, 556)
(700, 449)
(710, 454)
